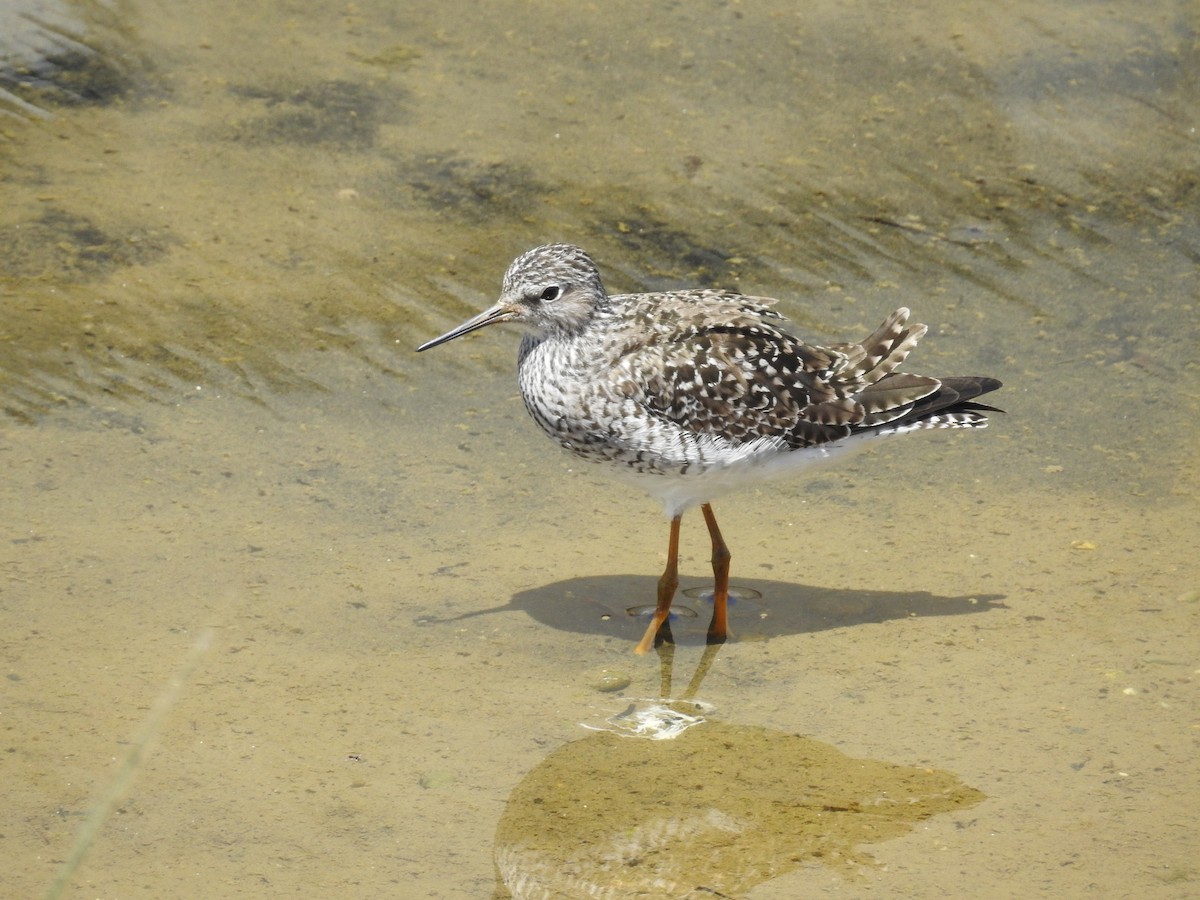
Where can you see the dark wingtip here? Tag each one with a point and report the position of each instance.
(955, 395)
(968, 387)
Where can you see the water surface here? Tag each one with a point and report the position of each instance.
(224, 231)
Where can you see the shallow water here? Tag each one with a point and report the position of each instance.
(224, 231)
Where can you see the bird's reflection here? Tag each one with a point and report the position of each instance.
(705, 808)
(665, 717)
(713, 812)
(665, 648)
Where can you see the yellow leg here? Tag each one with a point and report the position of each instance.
(718, 628)
(666, 590)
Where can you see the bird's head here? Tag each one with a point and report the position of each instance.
(553, 289)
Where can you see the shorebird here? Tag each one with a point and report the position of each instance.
(695, 393)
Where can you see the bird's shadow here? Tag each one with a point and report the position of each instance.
(619, 605)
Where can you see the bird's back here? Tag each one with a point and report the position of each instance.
(696, 383)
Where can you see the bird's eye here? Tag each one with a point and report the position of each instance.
(551, 293)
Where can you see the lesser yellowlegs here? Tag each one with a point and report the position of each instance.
(695, 393)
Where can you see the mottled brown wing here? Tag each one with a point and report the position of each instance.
(744, 378)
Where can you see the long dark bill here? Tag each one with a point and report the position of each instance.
(497, 313)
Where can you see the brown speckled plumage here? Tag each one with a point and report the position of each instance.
(697, 392)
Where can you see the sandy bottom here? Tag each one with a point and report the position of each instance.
(287, 609)
(379, 664)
